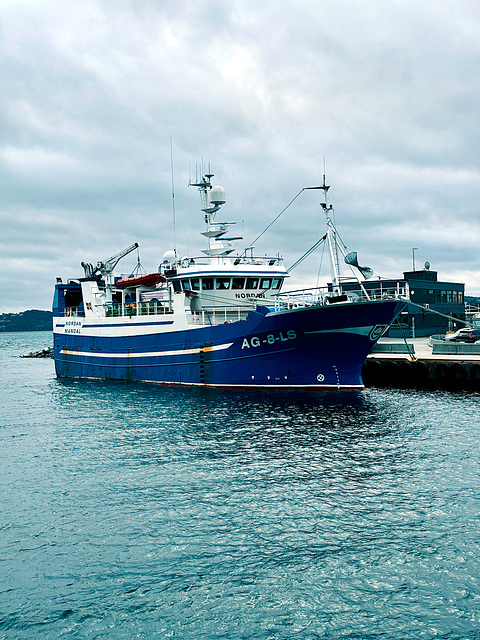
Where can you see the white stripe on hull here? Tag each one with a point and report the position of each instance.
(149, 354)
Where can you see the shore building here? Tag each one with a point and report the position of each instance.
(446, 298)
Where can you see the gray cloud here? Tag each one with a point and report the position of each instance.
(388, 92)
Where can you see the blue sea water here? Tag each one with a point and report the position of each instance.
(135, 511)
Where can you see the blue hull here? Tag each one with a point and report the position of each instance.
(315, 347)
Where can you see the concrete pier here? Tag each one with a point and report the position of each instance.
(423, 363)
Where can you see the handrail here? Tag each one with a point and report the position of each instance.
(73, 312)
(144, 308)
(233, 260)
(149, 308)
(324, 295)
(217, 315)
(313, 296)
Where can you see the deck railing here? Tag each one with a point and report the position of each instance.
(218, 315)
(151, 308)
(323, 295)
(247, 259)
(73, 312)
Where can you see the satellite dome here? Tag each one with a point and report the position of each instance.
(169, 256)
(217, 195)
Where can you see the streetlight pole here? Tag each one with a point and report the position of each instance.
(413, 256)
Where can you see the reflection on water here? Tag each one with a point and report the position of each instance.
(133, 510)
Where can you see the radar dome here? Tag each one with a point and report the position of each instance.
(169, 256)
(217, 195)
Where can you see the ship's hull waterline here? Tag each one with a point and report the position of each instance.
(320, 347)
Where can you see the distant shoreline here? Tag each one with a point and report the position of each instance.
(31, 320)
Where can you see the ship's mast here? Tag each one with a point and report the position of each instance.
(335, 249)
(331, 238)
(212, 198)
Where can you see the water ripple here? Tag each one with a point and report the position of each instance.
(132, 511)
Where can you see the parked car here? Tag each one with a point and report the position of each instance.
(466, 334)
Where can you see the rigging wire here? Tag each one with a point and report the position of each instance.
(438, 313)
(307, 253)
(275, 219)
(138, 268)
(320, 265)
(173, 198)
(340, 237)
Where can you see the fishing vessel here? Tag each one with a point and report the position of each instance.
(222, 319)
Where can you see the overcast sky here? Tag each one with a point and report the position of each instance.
(388, 91)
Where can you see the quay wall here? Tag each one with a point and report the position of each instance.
(431, 364)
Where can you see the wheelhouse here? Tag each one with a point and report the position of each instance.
(226, 283)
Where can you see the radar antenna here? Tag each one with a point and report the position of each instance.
(212, 199)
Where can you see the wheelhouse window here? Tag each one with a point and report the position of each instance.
(252, 283)
(177, 287)
(195, 284)
(265, 283)
(238, 283)
(223, 283)
(207, 284)
(186, 285)
(276, 283)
